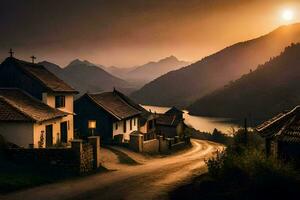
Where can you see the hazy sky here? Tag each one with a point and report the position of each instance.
(132, 32)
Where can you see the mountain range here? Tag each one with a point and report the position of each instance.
(87, 77)
(143, 74)
(184, 86)
(271, 88)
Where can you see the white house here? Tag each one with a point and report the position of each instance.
(28, 122)
(42, 86)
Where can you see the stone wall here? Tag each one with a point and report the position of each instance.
(80, 158)
(160, 144)
(151, 146)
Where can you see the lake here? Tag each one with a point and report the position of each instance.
(204, 124)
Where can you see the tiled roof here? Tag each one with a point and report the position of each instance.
(41, 74)
(16, 105)
(285, 126)
(115, 104)
(168, 120)
(10, 113)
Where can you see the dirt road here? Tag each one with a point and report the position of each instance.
(151, 179)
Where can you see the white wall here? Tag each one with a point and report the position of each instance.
(18, 133)
(49, 99)
(120, 129)
(41, 128)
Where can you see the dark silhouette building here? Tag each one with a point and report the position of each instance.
(282, 135)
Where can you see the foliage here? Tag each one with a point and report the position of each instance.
(216, 136)
(243, 171)
(41, 141)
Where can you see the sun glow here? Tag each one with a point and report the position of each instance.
(287, 15)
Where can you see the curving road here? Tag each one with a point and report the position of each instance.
(152, 179)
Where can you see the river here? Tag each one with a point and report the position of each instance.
(204, 124)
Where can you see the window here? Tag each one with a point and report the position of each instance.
(124, 126)
(130, 124)
(150, 124)
(92, 124)
(60, 101)
(116, 126)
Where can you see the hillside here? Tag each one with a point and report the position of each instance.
(85, 76)
(270, 89)
(184, 86)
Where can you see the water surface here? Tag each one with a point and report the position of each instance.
(201, 123)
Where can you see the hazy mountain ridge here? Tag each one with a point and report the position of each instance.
(85, 76)
(152, 70)
(270, 89)
(183, 86)
(147, 72)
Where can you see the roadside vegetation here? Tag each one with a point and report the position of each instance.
(243, 171)
(215, 136)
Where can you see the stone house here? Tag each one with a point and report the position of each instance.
(110, 115)
(282, 134)
(39, 83)
(171, 123)
(27, 122)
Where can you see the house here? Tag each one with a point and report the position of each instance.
(282, 134)
(110, 115)
(171, 123)
(147, 125)
(28, 122)
(37, 81)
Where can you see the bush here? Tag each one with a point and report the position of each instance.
(249, 172)
(216, 136)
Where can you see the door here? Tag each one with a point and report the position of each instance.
(49, 135)
(64, 132)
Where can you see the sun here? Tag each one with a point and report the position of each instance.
(287, 15)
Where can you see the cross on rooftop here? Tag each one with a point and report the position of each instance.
(33, 58)
(11, 53)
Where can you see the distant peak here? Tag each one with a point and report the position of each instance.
(76, 62)
(170, 58)
(80, 62)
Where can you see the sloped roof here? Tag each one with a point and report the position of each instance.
(147, 116)
(174, 110)
(16, 105)
(115, 104)
(41, 74)
(285, 126)
(168, 120)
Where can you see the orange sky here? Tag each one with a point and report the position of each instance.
(132, 32)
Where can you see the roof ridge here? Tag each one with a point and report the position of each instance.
(294, 110)
(18, 63)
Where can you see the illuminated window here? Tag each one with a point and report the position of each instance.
(60, 101)
(92, 124)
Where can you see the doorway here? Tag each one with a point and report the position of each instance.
(49, 135)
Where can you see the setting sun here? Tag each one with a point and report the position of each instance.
(287, 15)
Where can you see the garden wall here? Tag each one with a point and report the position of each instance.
(79, 158)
